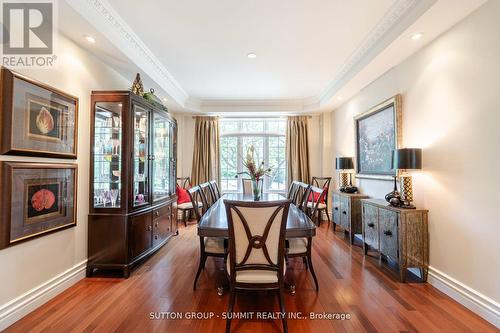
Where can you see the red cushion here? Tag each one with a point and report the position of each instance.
(182, 195)
(316, 196)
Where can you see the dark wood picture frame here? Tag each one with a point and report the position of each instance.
(24, 133)
(397, 130)
(32, 209)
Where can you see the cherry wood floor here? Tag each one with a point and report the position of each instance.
(349, 283)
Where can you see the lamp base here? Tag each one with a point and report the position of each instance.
(350, 189)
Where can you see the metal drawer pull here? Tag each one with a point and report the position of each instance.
(149, 228)
(371, 225)
(388, 233)
(157, 213)
(156, 224)
(336, 208)
(344, 212)
(156, 236)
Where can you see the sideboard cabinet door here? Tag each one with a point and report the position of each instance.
(336, 208)
(389, 233)
(370, 226)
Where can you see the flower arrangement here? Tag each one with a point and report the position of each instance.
(255, 172)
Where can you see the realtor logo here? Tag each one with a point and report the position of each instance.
(28, 33)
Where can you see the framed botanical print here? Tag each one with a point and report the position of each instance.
(42, 199)
(36, 119)
(378, 133)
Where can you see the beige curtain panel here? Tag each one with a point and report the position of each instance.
(206, 150)
(297, 149)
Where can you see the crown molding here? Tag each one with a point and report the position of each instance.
(399, 17)
(108, 22)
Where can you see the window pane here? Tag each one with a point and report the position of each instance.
(237, 135)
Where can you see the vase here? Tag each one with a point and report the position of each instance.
(256, 190)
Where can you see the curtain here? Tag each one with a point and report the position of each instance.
(206, 150)
(297, 149)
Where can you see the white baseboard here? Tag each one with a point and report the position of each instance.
(468, 297)
(19, 307)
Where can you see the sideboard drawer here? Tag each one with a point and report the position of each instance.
(389, 233)
(370, 226)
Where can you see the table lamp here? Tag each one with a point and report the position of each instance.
(345, 164)
(407, 159)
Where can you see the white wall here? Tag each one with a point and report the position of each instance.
(185, 144)
(451, 102)
(28, 265)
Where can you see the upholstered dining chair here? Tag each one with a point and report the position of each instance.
(209, 246)
(184, 205)
(248, 186)
(256, 249)
(302, 247)
(215, 189)
(323, 182)
(315, 197)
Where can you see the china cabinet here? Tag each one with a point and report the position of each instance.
(133, 206)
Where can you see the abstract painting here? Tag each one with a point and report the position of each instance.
(378, 133)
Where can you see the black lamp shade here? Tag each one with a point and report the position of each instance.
(407, 158)
(344, 163)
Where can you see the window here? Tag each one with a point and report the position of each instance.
(268, 138)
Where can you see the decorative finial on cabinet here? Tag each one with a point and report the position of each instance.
(137, 86)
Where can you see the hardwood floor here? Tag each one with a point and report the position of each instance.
(349, 283)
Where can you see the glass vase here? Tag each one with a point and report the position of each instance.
(256, 190)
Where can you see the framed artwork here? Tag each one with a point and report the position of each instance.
(378, 133)
(42, 199)
(36, 119)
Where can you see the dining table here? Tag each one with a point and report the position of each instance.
(214, 222)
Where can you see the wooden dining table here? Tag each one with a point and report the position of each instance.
(214, 222)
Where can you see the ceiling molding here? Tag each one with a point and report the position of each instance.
(401, 15)
(108, 22)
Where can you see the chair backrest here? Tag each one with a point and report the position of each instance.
(321, 182)
(257, 235)
(292, 191)
(315, 196)
(206, 188)
(197, 196)
(300, 199)
(184, 182)
(248, 185)
(215, 189)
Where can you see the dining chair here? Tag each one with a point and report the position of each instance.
(256, 249)
(185, 207)
(292, 190)
(323, 182)
(302, 247)
(215, 189)
(300, 199)
(209, 246)
(247, 185)
(208, 193)
(315, 197)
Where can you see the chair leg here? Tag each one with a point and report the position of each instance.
(311, 269)
(201, 265)
(184, 218)
(232, 298)
(327, 216)
(282, 309)
(304, 260)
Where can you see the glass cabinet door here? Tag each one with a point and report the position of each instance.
(161, 157)
(141, 156)
(107, 155)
